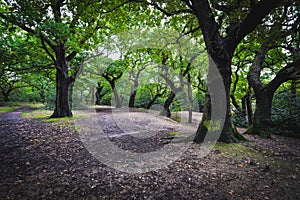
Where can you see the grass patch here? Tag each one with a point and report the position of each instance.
(8, 109)
(62, 119)
(25, 114)
(238, 151)
(173, 133)
(21, 104)
(241, 152)
(11, 106)
(38, 114)
(45, 114)
(35, 105)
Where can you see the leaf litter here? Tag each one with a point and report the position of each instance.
(42, 160)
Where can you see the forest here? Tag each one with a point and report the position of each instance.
(183, 99)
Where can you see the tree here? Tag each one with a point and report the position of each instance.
(240, 94)
(184, 68)
(100, 93)
(294, 107)
(283, 32)
(138, 65)
(40, 82)
(156, 91)
(223, 26)
(264, 92)
(221, 46)
(112, 74)
(15, 54)
(64, 29)
(9, 82)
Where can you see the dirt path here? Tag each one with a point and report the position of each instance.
(42, 160)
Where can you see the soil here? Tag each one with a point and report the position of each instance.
(42, 160)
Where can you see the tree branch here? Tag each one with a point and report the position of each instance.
(223, 8)
(192, 30)
(290, 71)
(254, 73)
(118, 6)
(22, 26)
(207, 22)
(47, 50)
(169, 14)
(254, 18)
(71, 56)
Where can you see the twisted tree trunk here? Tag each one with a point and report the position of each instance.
(167, 104)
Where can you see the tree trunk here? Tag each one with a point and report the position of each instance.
(98, 99)
(235, 104)
(93, 95)
(264, 93)
(217, 107)
(190, 96)
(262, 115)
(98, 94)
(152, 101)
(228, 132)
(132, 99)
(62, 104)
(71, 94)
(6, 97)
(133, 94)
(244, 108)
(249, 110)
(116, 96)
(167, 104)
(64, 83)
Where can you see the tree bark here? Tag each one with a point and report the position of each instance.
(116, 96)
(133, 94)
(132, 99)
(217, 107)
(98, 94)
(263, 95)
(190, 97)
(112, 80)
(249, 110)
(262, 115)
(93, 95)
(64, 82)
(62, 104)
(6, 97)
(71, 94)
(235, 104)
(152, 101)
(168, 102)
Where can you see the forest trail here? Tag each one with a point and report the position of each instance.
(49, 161)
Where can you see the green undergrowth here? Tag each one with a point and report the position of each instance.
(21, 104)
(11, 106)
(173, 133)
(45, 114)
(8, 109)
(240, 152)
